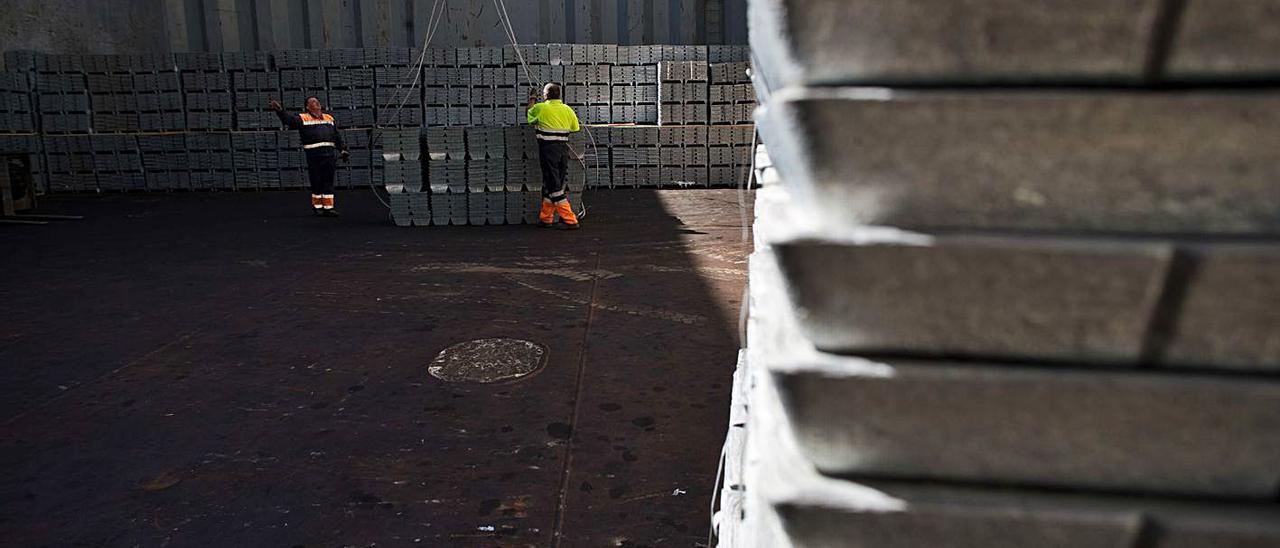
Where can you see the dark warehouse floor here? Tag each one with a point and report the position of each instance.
(226, 370)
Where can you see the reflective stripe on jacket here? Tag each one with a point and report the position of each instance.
(316, 133)
(553, 120)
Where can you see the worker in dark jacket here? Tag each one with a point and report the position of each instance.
(322, 143)
(552, 122)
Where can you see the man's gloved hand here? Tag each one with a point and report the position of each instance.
(275, 105)
(344, 155)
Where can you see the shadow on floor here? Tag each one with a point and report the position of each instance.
(225, 370)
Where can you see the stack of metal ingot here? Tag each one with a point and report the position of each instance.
(1016, 277)
(142, 95)
(256, 84)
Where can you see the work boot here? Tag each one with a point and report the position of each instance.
(317, 212)
(331, 212)
(572, 226)
(544, 225)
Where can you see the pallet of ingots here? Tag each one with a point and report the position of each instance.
(403, 142)
(70, 163)
(20, 60)
(350, 77)
(294, 101)
(486, 143)
(532, 78)
(592, 114)
(729, 73)
(639, 55)
(596, 54)
(560, 54)
(732, 97)
(729, 154)
(682, 153)
(302, 79)
(351, 96)
(682, 92)
(208, 101)
(397, 97)
(296, 59)
(447, 95)
(164, 160)
(445, 143)
(410, 208)
(255, 157)
(522, 202)
(523, 175)
(496, 200)
(351, 108)
(683, 71)
(158, 88)
(590, 166)
(299, 83)
(586, 89)
(355, 171)
(111, 99)
(582, 74)
(301, 75)
(210, 160)
(448, 201)
(480, 57)
(402, 173)
(255, 83)
(520, 141)
(451, 173)
(634, 94)
(16, 110)
(206, 88)
(634, 156)
(523, 171)
(683, 53)
(722, 53)
(117, 163)
(391, 57)
(332, 58)
(398, 202)
(486, 180)
(292, 159)
(440, 57)
(247, 61)
(532, 54)
(62, 99)
(683, 113)
(398, 155)
(493, 95)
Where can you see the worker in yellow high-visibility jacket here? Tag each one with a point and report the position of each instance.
(553, 121)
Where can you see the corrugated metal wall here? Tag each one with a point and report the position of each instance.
(243, 25)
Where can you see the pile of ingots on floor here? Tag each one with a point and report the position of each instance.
(990, 307)
(489, 176)
(197, 121)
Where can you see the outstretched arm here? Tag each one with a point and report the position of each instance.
(292, 121)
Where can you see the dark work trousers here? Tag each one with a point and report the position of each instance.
(320, 168)
(554, 158)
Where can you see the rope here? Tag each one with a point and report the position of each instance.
(433, 22)
(504, 20)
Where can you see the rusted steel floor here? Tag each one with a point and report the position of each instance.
(225, 370)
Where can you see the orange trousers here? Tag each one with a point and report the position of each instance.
(550, 209)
